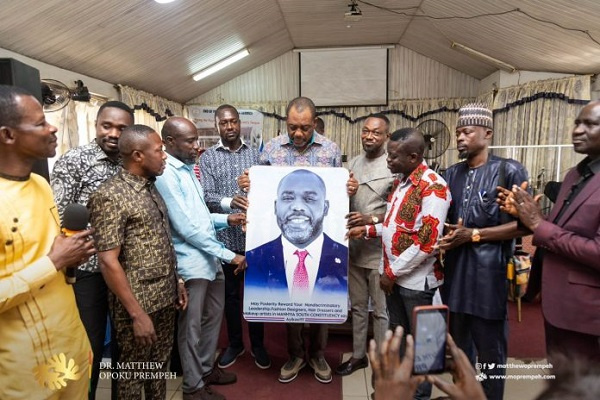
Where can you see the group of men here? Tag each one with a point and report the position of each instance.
(163, 241)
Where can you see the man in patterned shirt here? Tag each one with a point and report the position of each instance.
(302, 147)
(137, 261)
(220, 166)
(76, 175)
(413, 223)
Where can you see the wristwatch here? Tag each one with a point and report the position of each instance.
(475, 235)
(374, 219)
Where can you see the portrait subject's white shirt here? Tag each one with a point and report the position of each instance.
(311, 262)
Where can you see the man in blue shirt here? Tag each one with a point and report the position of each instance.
(199, 256)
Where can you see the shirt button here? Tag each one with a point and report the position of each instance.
(13, 229)
(9, 242)
(15, 220)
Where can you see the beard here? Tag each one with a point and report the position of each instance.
(301, 237)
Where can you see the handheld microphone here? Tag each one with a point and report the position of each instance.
(75, 220)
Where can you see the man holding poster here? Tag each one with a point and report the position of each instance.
(301, 147)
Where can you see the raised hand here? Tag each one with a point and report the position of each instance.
(393, 378)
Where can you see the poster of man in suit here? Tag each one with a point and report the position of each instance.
(296, 250)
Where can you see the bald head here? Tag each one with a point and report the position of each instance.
(301, 206)
(141, 149)
(180, 137)
(134, 137)
(412, 140)
(176, 126)
(300, 104)
(586, 131)
(405, 151)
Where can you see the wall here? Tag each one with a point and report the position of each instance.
(502, 79)
(411, 76)
(48, 71)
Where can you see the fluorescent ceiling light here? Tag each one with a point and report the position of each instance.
(221, 64)
(164, 1)
(483, 57)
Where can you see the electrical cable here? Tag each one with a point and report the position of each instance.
(512, 11)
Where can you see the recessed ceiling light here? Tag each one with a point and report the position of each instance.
(164, 1)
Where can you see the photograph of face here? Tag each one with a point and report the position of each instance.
(295, 246)
(328, 217)
(300, 206)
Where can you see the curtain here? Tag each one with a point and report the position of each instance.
(343, 124)
(75, 124)
(149, 109)
(540, 113)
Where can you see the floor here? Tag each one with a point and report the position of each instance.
(526, 385)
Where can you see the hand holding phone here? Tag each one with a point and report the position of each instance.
(430, 329)
(393, 377)
(464, 385)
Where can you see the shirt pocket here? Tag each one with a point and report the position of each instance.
(485, 211)
(152, 272)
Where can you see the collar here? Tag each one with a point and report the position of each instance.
(417, 174)
(100, 155)
(313, 248)
(316, 138)
(178, 164)
(220, 145)
(138, 183)
(588, 166)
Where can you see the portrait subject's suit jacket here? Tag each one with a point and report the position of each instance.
(571, 264)
(266, 267)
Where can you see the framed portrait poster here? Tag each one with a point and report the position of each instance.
(296, 249)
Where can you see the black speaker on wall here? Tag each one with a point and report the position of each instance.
(15, 73)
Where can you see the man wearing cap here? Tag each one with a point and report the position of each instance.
(478, 243)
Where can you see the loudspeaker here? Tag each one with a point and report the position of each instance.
(15, 73)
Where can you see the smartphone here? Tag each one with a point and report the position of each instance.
(430, 329)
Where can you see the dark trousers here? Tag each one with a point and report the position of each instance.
(233, 304)
(130, 386)
(570, 344)
(318, 340)
(91, 294)
(400, 306)
(486, 339)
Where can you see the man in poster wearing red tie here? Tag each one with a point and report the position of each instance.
(303, 260)
(302, 264)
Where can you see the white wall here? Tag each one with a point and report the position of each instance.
(48, 71)
(411, 76)
(502, 79)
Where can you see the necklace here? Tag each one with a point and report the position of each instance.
(14, 178)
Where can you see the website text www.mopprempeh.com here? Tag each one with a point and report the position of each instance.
(483, 367)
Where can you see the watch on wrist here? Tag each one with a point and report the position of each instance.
(475, 235)
(374, 219)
